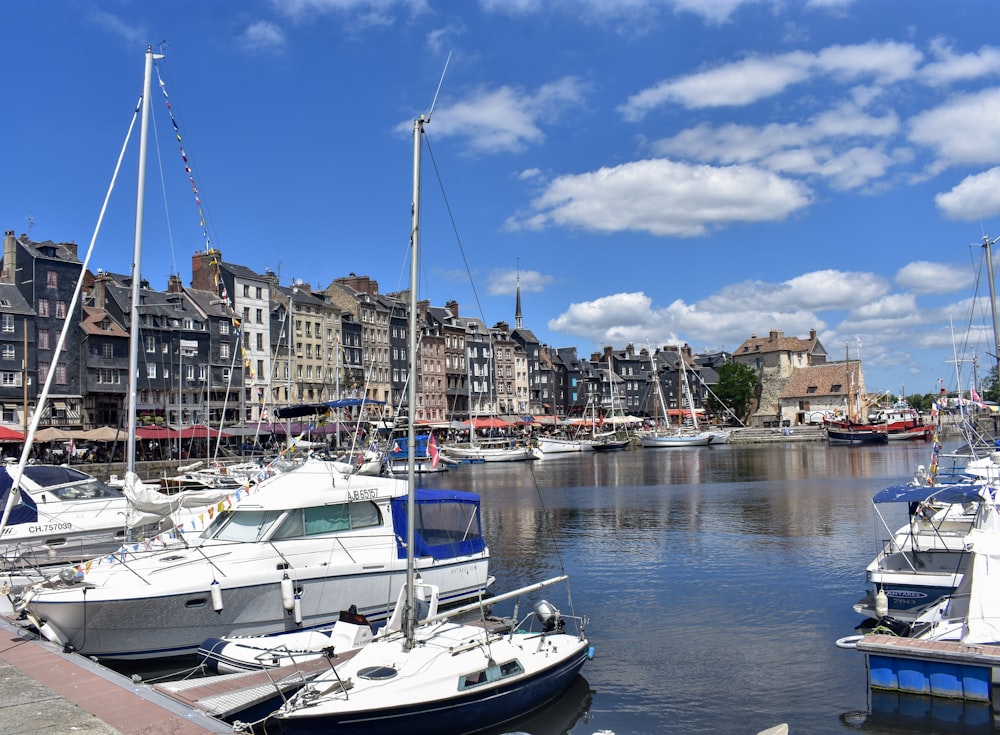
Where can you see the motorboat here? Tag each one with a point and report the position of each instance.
(925, 561)
(60, 516)
(307, 543)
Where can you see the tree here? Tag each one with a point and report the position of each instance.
(735, 390)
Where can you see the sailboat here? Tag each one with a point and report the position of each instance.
(443, 676)
(307, 543)
(672, 438)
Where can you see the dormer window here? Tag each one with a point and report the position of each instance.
(835, 388)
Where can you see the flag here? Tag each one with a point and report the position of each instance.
(432, 450)
(396, 447)
(975, 396)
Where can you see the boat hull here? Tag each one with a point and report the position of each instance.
(860, 436)
(679, 440)
(455, 715)
(176, 624)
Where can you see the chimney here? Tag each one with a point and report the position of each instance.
(203, 266)
(174, 284)
(775, 335)
(452, 306)
(812, 335)
(9, 257)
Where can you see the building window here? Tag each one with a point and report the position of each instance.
(224, 327)
(10, 378)
(107, 351)
(7, 323)
(151, 370)
(61, 374)
(43, 372)
(60, 309)
(150, 344)
(8, 352)
(224, 351)
(52, 279)
(43, 339)
(43, 307)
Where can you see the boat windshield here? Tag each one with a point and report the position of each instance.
(242, 526)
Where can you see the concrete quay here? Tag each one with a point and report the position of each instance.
(45, 691)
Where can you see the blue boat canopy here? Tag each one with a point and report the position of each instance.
(24, 511)
(447, 525)
(958, 493)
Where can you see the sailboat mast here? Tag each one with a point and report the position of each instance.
(988, 244)
(411, 439)
(133, 356)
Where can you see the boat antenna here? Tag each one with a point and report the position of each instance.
(438, 90)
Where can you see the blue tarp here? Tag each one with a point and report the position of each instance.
(958, 493)
(25, 511)
(448, 524)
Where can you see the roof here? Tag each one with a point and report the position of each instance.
(826, 379)
(93, 318)
(776, 341)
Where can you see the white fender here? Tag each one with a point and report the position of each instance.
(287, 593)
(216, 592)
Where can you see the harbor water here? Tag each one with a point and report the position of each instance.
(716, 581)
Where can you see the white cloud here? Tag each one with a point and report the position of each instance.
(924, 277)
(752, 79)
(505, 118)
(963, 130)
(504, 281)
(263, 36)
(665, 198)
(972, 198)
(949, 67)
(363, 13)
(133, 34)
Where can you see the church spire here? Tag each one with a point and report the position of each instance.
(517, 308)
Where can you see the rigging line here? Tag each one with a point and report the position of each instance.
(454, 227)
(186, 159)
(163, 192)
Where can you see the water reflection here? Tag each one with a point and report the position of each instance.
(716, 579)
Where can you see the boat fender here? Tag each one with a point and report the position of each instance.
(216, 594)
(297, 609)
(590, 653)
(287, 593)
(849, 642)
(881, 603)
(52, 633)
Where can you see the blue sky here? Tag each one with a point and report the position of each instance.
(656, 171)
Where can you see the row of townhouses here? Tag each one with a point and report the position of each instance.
(234, 344)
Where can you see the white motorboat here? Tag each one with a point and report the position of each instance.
(925, 560)
(558, 445)
(63, 516)
(306, 544)
(493, 450)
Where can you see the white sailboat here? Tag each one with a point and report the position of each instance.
(440, 676)
(674, 438)
(306, 544)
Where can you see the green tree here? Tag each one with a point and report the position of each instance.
(991, 390)
(735, 390)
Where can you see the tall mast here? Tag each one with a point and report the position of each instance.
(409, 621)
(988, 244)
(133, 357)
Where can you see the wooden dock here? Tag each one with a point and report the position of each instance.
(935, 668)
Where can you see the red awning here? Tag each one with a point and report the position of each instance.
(9, 435)
(488, 422)
(200, 431)
(155, 432)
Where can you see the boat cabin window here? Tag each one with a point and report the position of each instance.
(490, 674)
(242, 526)
(329, 519)
(69, 484)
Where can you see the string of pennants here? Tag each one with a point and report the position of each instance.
(196, 524)
(219, 285)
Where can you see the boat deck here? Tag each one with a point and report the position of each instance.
(950, 651)
(224, 695)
